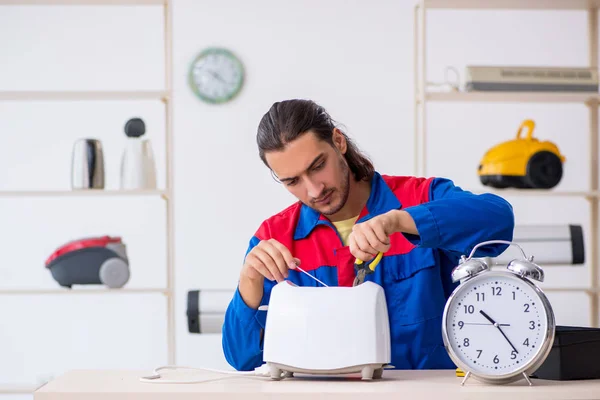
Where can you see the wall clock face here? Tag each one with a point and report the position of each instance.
(216, 75)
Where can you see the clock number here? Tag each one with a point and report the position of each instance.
(526, 307)
(461, 324)
(514, 295)
(513, 355)
(466, 342)
(531, 325)
(526, 342)
(496, 291)
(469, 309)
(482, 296)
(480, 351)
(496, 360)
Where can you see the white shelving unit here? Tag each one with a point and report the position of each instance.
(166, 194)
(82, 292)
(589, 100)
(83, 193)
(514, 97)
(81, 95)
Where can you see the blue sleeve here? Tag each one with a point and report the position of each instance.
(243, 328)
(455, 220)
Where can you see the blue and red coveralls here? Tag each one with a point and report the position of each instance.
(415, 272)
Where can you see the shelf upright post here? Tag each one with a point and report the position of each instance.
(417, 100)
(168, 38)
(420, 140)
(593, 148)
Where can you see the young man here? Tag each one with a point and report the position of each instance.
(347, 211)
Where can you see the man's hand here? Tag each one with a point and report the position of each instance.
(269, 259)
(373, 236)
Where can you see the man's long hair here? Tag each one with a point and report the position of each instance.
(287, 120)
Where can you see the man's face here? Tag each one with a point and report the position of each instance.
(314, 171)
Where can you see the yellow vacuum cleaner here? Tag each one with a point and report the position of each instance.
(523, 163)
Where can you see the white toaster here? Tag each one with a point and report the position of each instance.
(327, 330)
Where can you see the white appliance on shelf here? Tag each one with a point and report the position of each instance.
(531, 79)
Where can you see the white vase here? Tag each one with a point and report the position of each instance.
(138, 169)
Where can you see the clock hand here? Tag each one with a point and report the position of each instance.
(217, 76)
(481, 323)
(500, 329)
(487, 317)
(505, 337)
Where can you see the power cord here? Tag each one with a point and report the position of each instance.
(448, 84)
(262, 371)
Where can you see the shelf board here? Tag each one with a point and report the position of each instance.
(84, 2)
(511, 97)
(587, 290)
(81, 192)
(6, 388)
(82, 291)
(75, 95)
(513, 4)
(536, 192)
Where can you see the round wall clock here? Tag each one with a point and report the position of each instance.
(216, 75)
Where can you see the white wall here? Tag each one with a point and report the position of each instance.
(342, 54)
(355, 58)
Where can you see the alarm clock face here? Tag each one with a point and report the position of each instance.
(498, 325)
(216, 75)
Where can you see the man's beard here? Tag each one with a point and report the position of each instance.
(344, 189)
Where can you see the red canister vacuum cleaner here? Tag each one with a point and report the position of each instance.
(88, 261)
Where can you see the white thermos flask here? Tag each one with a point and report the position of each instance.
(138, 170)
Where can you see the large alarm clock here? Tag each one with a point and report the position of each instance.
(216, 75)
(498, 326)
